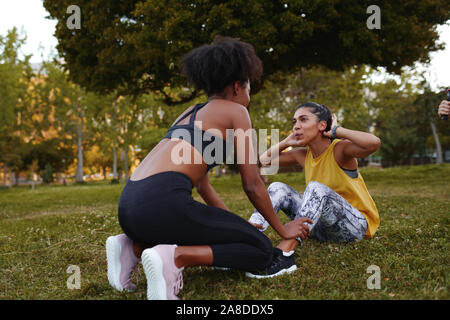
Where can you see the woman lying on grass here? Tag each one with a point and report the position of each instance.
(336, 198)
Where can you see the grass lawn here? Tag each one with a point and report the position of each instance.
(44, 231)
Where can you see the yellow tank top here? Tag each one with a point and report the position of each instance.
(324, 169)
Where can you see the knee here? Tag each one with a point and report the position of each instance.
(314, 185)
(274, 186)
(278, 189)
(317, 186)
(328, 219)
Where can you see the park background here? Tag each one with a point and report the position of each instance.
(75, 123)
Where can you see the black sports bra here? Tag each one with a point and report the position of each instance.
(188, 131)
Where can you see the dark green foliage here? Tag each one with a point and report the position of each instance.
(53, 152)
(136, 46)
(47, 175)
(403, 121)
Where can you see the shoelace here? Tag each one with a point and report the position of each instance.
(178, 284)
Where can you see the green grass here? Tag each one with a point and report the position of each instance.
(45, 230)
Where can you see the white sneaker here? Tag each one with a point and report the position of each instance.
(121, 262)
(164, 278)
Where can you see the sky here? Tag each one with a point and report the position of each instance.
(29, 16)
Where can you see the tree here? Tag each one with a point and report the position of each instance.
(46, 157)
(15, 74)
(118, 123)
(398, 121)
(426, 104)
(97, 159)
(70, 105)
(135, 46)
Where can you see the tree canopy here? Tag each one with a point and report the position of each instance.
(135, 46)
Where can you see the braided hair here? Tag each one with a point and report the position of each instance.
(320, 110)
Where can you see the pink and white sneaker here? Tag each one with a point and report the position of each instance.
(121, 262)
(164, 278)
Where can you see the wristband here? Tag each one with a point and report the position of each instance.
(334, 132)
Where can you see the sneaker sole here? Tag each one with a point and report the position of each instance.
(279, 273)
(153, 268)
(113, 251)
(221, 268)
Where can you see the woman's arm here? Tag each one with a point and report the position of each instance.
(287, 158)
(207, 192)
(254, 186)
(356, 144)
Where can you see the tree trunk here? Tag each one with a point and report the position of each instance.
(79, 174)
(217, 171)
(115, 140)
(125, 151)
(114, 159)
(439, 159)
(14, 179)
(32, 177)
(10, 175)
(5, 174)
(126, 163)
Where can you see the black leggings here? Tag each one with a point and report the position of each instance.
(160, 210)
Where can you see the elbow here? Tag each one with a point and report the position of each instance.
(372, 146)
(200, 188)
(375, 145)
(249, 189)
(252, 187)
(250, 179)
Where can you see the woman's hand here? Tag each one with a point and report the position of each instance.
(444, 108)
(329, 133)
(297, 228)
(291, 141)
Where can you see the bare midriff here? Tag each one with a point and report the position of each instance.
(160, 160)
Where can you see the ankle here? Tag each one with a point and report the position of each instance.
(137, 250)
(178, 258)
(288, 246)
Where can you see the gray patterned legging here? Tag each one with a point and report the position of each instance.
(334, 218)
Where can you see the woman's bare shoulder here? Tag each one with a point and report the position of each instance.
(228, 105)
(183, 113)
(231, 110)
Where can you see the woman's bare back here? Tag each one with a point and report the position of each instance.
(217, 114)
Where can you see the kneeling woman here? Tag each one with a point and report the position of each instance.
(336, 198)
(163, 225)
